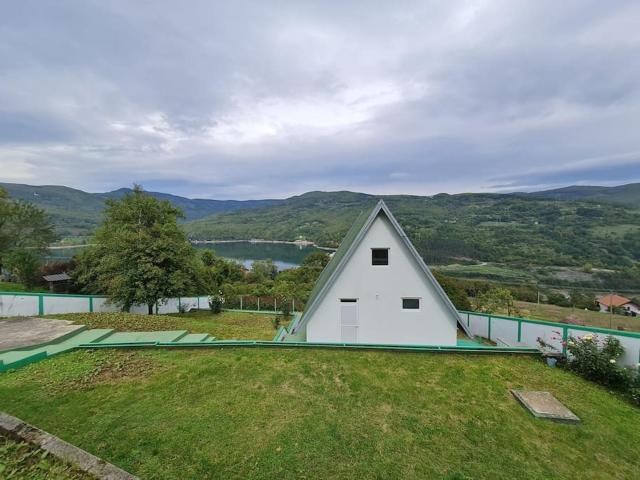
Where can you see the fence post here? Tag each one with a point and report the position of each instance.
(258, 303)
(565, 334)
(275, 304)
(90, 304)
(240, 302)
(519, 330)
(489, 329)
(198, 300)
(179, 304)
(293, 305)
(40, 304)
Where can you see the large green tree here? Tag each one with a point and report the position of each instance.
(140, 254)
(25, 232)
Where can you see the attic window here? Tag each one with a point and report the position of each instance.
(379, 256)
(411, 304)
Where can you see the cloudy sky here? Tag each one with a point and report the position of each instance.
(269, 99)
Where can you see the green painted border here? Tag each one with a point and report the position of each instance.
(606, 331)
(357, 346)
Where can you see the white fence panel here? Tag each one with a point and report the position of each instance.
(53, 305)
(504, 332)
(170, 306)
(479, 325)
(18, 305)
(101, 305)
(189, 303)
(550, 334)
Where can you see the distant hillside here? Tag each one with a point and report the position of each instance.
(561, 228)
(509, 229)
(623, 194)
(76, 212)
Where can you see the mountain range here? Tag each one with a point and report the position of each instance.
(572, 227)
(76, 212)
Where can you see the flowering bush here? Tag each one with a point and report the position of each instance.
(216, 302)
(597, 360)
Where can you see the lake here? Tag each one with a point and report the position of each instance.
(284, 255)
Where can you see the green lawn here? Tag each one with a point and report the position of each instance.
(312, 413)
(224, 326)
(18, 287)
(554, 313)
(22, 461)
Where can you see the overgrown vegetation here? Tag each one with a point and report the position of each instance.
(21, 461)
(596, 359)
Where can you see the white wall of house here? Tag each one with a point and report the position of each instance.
(632, 308)
(379, 291)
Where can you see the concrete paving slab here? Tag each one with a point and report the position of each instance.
(25, 332)
(545, 405)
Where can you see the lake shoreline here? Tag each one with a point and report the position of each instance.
(300, 243)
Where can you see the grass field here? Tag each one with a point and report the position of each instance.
(553, 313)
(262, 413)
(224, 326)
(18, 287)
(486, 271)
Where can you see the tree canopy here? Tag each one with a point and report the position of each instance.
(25, 232)
(140, 256)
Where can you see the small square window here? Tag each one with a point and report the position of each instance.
(411, 304)
(379, 256)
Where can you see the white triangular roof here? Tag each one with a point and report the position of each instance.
(341, 257)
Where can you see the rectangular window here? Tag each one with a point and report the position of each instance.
(379, 256)
(411, 304)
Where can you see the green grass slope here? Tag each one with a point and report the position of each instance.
(322, 414)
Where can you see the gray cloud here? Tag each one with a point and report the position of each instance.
(248, 99)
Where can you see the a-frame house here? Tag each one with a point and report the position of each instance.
(377, 290)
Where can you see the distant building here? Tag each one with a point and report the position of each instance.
(377, 290)
(58, 282)
(616, 301)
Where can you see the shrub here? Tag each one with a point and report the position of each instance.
(285, 308)
(216, 302)
(596, 360)
(559, 299)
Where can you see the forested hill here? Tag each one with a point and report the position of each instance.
(76, 212)
(624, 194)
(510, 229)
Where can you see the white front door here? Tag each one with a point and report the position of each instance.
(349, 320)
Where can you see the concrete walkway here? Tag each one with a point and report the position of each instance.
(25, 332)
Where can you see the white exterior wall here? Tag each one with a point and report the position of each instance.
(379, 290)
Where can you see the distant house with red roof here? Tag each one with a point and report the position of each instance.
(616, 301)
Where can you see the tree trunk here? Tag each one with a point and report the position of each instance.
(150, 305)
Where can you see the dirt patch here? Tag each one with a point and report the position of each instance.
(116, 366)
